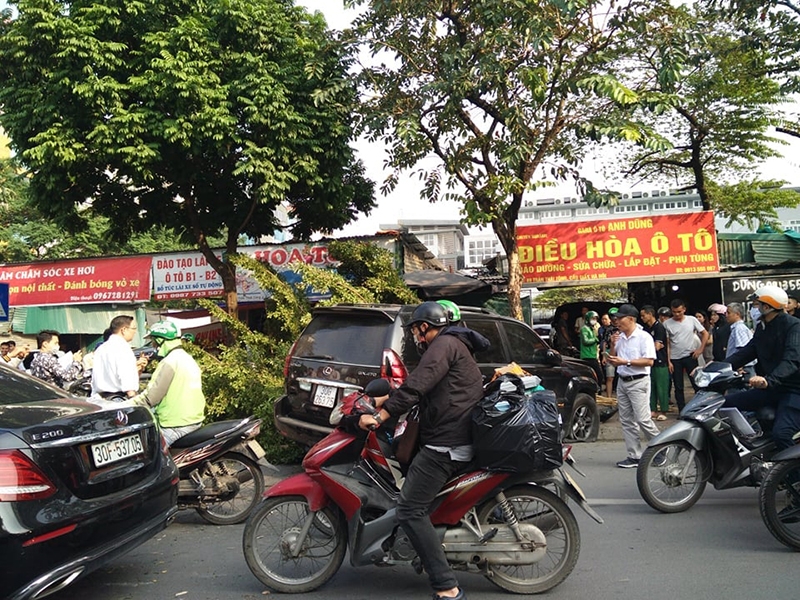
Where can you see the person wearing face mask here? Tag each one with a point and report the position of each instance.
(589, 341)
(175, 391)
(447, 384)
(776, 345)
(46, 365)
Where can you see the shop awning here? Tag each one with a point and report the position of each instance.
(84, 319)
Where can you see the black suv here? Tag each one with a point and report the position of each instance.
(346, 346)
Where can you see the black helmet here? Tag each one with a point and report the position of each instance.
(431, 313)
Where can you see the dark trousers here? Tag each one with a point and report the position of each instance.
(679, 365)
(787, 418)
(598, 371)
(428, 473)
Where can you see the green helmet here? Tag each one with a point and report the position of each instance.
(612, 312)
(453, 312)
(166, 330)
(591, 315)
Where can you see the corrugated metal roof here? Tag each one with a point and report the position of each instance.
(84, 319)
(758, 248)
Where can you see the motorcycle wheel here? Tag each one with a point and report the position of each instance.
(542, 508)
(272, 530)
(251, 486)
(659, 477)
(779, 502)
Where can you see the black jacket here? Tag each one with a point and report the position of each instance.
(447, 384)
(776, 345)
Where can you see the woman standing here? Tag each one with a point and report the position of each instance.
(708, 350)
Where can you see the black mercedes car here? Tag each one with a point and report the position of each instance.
(80, 483)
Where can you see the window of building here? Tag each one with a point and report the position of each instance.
(431, 241)
(793, 225)
(480, 250)
(585, 212)
(556, 214)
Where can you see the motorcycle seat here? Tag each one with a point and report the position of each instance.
(206, 433)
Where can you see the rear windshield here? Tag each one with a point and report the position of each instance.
(356, 338)
(18, 388)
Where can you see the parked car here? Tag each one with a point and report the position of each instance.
(81, 483)
(346, 346)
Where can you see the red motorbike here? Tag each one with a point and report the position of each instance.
(515, 529)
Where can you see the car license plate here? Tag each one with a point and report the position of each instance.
(116, 450)
(325, 396)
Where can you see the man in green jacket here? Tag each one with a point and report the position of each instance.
(175, 391)
(589, 341)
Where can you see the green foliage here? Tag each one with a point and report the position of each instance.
(555, 297)
(246, 376)
(752, 203)
(200, 115)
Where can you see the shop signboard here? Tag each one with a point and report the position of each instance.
(188, 275)
(736, 289)
(679, 245)
(91, 281)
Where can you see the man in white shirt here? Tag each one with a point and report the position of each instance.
(633, 355)
(682, 333)
(115, 371)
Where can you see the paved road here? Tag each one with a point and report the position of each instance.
(718, 549)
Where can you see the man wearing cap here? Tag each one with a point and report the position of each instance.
(633, 355)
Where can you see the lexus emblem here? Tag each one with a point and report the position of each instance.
(121, 418)
(327, 371)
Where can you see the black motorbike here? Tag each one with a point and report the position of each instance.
(219, 472)
(709, 443)
(779, 497)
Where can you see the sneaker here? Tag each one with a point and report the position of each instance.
(660, 459)
(628, 463)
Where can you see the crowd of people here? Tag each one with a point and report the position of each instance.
(645, 354)
(174, 392)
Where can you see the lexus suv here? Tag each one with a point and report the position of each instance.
(80, 483)
(346, 346)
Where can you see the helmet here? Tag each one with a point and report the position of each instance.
(720, 309)
(590, 315)
(612, 312)
(771, 295)
(166, 330)
(431, 313)
(188, 337)
(453, 312)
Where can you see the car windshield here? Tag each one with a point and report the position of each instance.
(356, 338)
(18, 388)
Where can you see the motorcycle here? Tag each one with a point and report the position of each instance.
(779, 497)
(708, 443)
(509, 527)
(219, 472)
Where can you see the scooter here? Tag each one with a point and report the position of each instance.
(508, 527)
(779, 496)
(708, 443)
(219, 472)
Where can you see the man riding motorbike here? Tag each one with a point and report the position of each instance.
(776, 345)
(447, 384)
(175, 391)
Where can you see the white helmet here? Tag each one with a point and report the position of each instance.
(771, 295)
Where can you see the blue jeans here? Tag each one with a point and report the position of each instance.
(787, 418)
(428, 473)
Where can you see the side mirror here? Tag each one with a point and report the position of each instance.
(553, 357)
(377, 388)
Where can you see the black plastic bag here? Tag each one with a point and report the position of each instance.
(515, 430)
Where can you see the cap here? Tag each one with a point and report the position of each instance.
(628, 310)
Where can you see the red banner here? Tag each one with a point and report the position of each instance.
(609, 249)
(91, 281)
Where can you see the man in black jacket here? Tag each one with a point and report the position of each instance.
(447, 385)
(776, 345)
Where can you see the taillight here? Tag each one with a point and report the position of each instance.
(392, 368)
(21, 479)
(288, 360)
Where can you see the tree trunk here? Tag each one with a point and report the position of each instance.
(514, 284)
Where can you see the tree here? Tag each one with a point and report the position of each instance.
(502, 93)
(199, 115)
(709, 91)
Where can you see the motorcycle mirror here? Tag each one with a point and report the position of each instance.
(377, 387)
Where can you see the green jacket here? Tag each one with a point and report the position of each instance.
(175, 392)
(588, 342)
